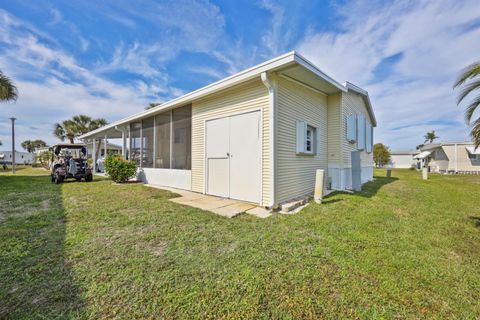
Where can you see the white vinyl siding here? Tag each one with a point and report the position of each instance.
(353, 103)
(295, 174)
(249, 96)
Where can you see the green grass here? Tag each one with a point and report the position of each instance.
(402, 248)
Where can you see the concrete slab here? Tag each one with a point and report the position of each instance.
(260, 212)
(224, 207)
(233, 209)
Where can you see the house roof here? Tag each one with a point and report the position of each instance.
(422, 155)
(407, 152)
(430, 146)
(291, 64)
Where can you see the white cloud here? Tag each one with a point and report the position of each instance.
(432, 40)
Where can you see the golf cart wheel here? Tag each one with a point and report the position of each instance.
(88, 178)
(58, 179)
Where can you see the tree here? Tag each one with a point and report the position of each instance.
(8, 91)
(77, 126)
(469, 80)
(32, 145)
(381, 154)
(152, 105)
(65, 130)
(430, 136)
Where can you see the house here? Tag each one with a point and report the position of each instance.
(110, 148)
(403, 159)
(257, 136)
(454, 157)
(20, 157)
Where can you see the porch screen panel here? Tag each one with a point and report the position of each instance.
(135, 142)
(182, 138)
(147, 137)
(162, 157)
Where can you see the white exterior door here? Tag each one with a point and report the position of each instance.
(218, 157)
(234, 157)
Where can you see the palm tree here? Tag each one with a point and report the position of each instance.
(8, 91)
(65, 130)
(32, 145)
(472, 75)
(77, 126)
(430, 136)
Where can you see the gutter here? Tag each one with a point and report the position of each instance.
(272, 93)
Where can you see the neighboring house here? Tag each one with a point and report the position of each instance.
(460, 157)
(258, 135)
(111, 148)
(20, 157)
(403, 159)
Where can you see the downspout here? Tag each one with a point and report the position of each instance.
(272, 92)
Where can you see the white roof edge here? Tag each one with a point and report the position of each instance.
(310, 66)
(245, 75)
(364, 93)
(472, 150)
(241, 76)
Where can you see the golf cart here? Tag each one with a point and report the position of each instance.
(70, 161)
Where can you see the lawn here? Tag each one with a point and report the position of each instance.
(401, 248)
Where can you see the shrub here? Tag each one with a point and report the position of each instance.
(118, 169)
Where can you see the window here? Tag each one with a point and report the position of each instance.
(135, 134)
(472, 156)
(306, 138)
(162, 156)
(163, 141)
(147, 142)
(182, 137)
(310, 139)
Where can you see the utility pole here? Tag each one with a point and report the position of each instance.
(13, 144)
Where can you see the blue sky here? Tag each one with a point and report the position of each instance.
(111, 58)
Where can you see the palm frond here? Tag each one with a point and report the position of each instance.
(469, 72)
(8, 91)
(470, 110)
(474, 85)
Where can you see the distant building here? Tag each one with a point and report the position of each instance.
(403, 158)
(451, 157)
(20, 157)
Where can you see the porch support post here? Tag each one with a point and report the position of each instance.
(94, 155)
(124, 143)
(129, 156)
(105, 147)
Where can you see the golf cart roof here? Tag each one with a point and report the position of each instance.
(70, 145)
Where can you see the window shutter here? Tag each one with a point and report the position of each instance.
(301, 136)
(361, 132)
(351, 128)
(369, 137)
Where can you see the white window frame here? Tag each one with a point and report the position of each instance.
(307, 134)
(312, 138)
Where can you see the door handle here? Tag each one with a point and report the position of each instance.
(228, 154)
